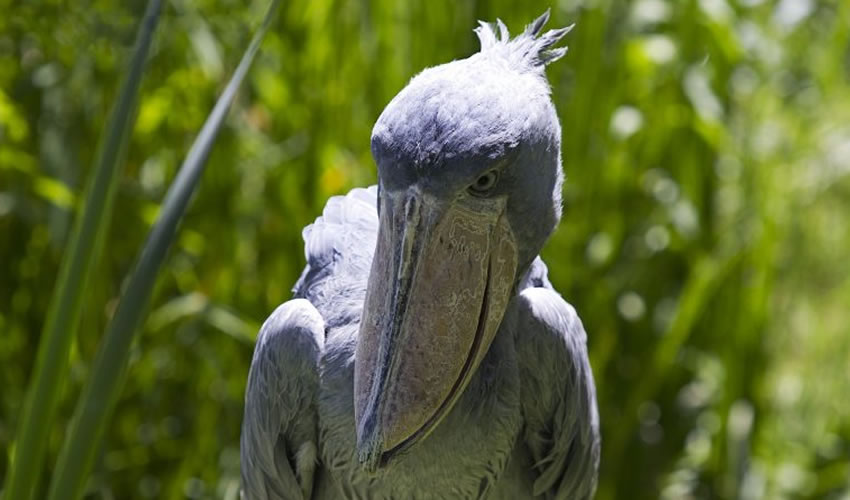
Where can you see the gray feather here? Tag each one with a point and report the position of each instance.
(504, 34)
(280, 411)
(529, 50)
(486, 35)
(559, 396)
(534, 28)
(339, 246)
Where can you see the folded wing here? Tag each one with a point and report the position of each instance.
(558, 396)
(279, 436)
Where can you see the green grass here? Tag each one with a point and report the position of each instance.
(99, 395)
(704, 241)
(84, 248)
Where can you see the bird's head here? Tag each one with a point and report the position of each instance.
(468, 158)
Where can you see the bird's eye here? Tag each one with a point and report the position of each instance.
(484, 183)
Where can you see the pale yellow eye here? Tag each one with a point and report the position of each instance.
(484, 183)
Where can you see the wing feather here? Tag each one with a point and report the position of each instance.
(559, 396)
(339, 247)
(279, 432)
(346, 231)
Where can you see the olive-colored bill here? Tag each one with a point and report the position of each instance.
(440, 282)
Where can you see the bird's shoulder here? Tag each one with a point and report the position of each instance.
(545, 319)
(294, 330)
(284, 372)
(279, 443)
(558, 395)
(550, 320)
(551, 342)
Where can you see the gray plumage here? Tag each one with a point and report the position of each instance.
(522, 421)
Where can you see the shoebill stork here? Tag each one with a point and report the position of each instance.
(426, 354)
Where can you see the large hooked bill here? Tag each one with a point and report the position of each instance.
(441, 279)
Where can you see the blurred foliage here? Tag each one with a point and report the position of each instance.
(705, 239)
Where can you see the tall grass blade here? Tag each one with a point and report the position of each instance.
(106, 379)
(84, 248)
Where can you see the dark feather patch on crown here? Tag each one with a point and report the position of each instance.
(528, 50)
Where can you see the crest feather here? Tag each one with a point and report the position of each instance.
(529, 50)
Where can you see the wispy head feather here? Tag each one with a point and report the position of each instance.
(526, 51)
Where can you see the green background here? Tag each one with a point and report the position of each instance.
(704, 243)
